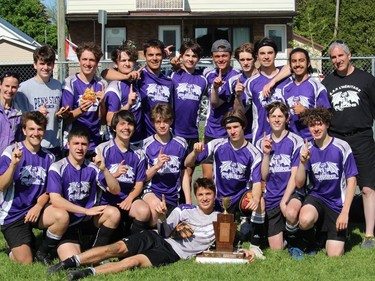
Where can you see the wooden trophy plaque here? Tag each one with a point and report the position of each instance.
(225, 231)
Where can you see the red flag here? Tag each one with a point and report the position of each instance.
(70, 50)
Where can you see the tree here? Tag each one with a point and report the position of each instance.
(356, 25)
(30, 16)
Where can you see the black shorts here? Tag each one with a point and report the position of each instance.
(297, 195)
(363, 147)
(18, 233)
(191, 142)
(75, 233)
(208, 160)
(153, 246)
(327, 219)
(275, 221)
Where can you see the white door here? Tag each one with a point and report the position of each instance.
(171, 35)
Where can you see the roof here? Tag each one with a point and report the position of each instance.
(10, 33)
(184, 14)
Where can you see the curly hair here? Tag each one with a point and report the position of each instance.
(319, 114)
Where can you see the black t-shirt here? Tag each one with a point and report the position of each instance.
(352, 99)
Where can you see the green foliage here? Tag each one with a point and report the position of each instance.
(316, 21)
(30, 16)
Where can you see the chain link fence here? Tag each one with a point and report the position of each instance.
(322, 65)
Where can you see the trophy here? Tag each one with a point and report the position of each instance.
(225, 231)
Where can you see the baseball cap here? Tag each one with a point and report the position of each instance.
(221, 45)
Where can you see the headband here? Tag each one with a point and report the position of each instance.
(232, 119)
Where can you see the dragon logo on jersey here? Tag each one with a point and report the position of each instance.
(325, 171)
(186, 91)
(171, 166)
(78, 190)
(128, 177)
(275, 96)
(232, 170)
(280, 163)
(345, 99)
(30, 175)
(293, 100)
(158, 93)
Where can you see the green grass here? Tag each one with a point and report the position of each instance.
(356, 264)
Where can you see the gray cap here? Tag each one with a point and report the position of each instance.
(221, 45)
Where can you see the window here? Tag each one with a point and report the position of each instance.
(171, 35)
(205, 36)
(114, 37)
(278, 33)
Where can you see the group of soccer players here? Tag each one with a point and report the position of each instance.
(258, 147)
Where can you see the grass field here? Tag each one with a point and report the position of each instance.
(356, 264)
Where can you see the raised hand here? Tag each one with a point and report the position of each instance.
(266, 144)
(42, 109)
(100, 94)
(305, 152)
(121, 170)
(99, 160)
(63, 112)
(298, 108)
(162, 158)
(161, 209)
(167, 50)
(240, 87)
(16, 155)
(199, 146)
(132, 96)
(218, 81)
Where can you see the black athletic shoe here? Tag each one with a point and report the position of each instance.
(43, 258)
(78, 274)
(56, 268)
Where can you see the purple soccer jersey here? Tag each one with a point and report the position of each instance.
(188, 92)
(310, 94)
(284, 156)
(328, 170)
(134, 160)
(82, 187)
(29, 182)
(233, 169)
(116, 96)
(167, 180)
(153, 90)
(254, 95)
(213, 126)
(73, 90)
(248, 113)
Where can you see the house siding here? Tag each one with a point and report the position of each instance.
(122, 6)
(10, 53)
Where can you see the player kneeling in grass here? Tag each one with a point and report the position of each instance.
(279, 166)
(332, 170)
(23, 199)
(175, 241)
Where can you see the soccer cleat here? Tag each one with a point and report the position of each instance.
(368, 243)
(57, 267)
(78, 274)
(42, 258)
(258, 252)
(296, 253)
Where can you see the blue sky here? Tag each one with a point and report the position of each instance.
(49, 2)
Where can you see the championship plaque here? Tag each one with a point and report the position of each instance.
(225, 231)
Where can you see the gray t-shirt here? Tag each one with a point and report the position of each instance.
(200, 223)
(32, 94)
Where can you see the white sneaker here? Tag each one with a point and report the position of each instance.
(258, 252)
